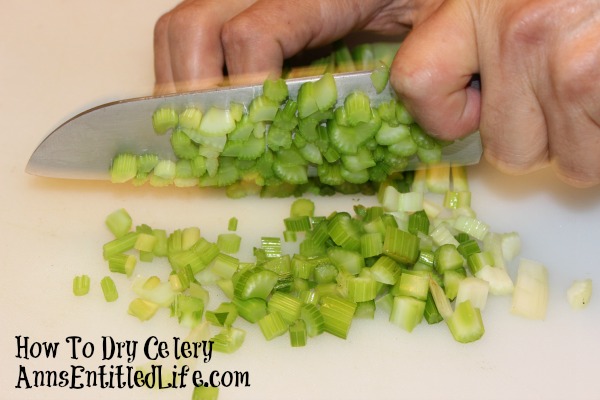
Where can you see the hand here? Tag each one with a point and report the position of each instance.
(539, 62)
(252, 38)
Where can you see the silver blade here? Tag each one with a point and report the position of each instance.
(84, 146)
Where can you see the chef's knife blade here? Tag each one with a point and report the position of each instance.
(84, 146)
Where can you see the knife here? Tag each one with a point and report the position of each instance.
(84, 146)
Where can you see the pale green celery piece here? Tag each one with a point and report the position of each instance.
(431, 156)
(224, 315)
(307, 104)
(402, 114)
(380, 77)
(298, 333)
(232, 224)
(262, 109)
(337, 315)
(225, 265)
(190, 118)
(217, 122)
(228, 340)
(256, 282)
(252, 309)
(472, 226)
(447, 257)
(400, 245)
(237, 111)
(273, 325)
(142, 309)
(465, 323)
(164, 119)
(407, 312)
(119, 222)
(349, 261)
(286, 305)
(146, 162)
(452, 280)
(109, 289)
(440, 299)
(119, 245)
(386, 270)
(475, 290)
(145, 242)
(123, 168)
(362, 288)
(325, 92)
(81, 285)
(388, 135)
(275, 90)
(358, 108)
(371, 244)
(412, 285)
(165, 169)
(122, 263)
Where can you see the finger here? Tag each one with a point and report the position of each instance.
(432, 70)
(194, 43)
(258, 40)
(162, 57)
(574, 120)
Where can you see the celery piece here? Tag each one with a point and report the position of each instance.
(498, 279)
(371, 244)
(418, 222)
(190, 118)
(344, 231)
(273, 325)
(145, 242)
(228, 340)
(109, 289)
(122, 263)
(346, 260)
(297, 224)
(256, 282)
(465, 323)
(446, 258)
(386, 270)
(313, 318)
(380, 77)
(400, 245)
(142, 309)
(123, 168)
(119, 222)
(389, 135)
(205, 393)
(530, 296)
(164, 119)
(275, 90)
(229, 243)
(286, 117)
(472, 226)
(431, 313)
(407, 312)
(298, 333)
(302, 207)
(452, 279)
(252, 309)
(442, 303)
(232, 224)
(413, 285)
(146, 163)
(81, 285)
(224, 315)
(475, 290)
(476, 261)
(325, 92)
(337, 315)
(358, 108)
(579, 293)
(188, 310)
(468, 247)
(362, 288)
(216, 122)
(225, 265)
(286, 305)
(262, 109)
(307, 103)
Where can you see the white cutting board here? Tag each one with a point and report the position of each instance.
(60, 57)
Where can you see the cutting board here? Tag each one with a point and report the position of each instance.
(62, 57)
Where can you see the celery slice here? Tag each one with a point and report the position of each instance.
(465, 323)
(109, 289)
(81, 285)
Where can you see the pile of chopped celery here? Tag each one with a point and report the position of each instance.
(420, 257)
(281, 146)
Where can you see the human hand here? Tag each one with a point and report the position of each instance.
(195, 40)
(539, 62)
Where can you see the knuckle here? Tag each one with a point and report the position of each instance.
(241, 30)
(528, 25)
(573, 68)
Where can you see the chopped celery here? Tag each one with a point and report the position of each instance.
(119, 222)
(81, 285)
(579, 293)
(109, 289)
(465, 323)
(530, 296)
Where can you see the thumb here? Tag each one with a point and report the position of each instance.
(432, 70)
